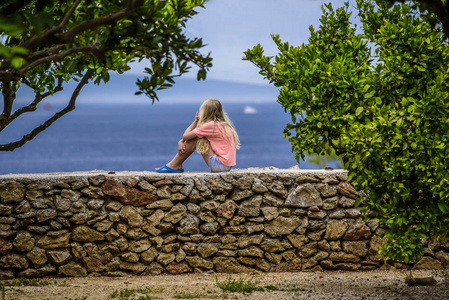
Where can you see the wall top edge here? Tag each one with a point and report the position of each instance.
(256, 171)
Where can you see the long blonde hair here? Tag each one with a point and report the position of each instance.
(211, 110)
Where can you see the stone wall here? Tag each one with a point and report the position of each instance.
(114, 224)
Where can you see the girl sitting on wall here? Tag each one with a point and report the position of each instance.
(212, 135)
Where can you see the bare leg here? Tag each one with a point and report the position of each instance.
(179, 159)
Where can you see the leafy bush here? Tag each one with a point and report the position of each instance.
(379, 99)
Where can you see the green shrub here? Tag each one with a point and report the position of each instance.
(378, 97)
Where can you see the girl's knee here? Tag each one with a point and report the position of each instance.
(190, 146)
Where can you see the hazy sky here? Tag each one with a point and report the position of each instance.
(230, 27)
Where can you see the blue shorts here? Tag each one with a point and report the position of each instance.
(215, 165)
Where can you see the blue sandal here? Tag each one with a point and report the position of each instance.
(165, 169)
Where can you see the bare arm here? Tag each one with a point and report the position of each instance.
(189, 134)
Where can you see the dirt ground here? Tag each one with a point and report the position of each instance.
(302, 285)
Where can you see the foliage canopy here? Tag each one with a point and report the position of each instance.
(46, 44)
(379, 99)
(438, 11)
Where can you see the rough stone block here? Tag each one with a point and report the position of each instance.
(304, 196)
(12, 192)
(127, 195)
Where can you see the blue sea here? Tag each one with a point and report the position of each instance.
(140, 137)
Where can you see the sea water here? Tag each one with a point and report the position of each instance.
(138, 137)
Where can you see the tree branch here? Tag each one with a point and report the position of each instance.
(7, 103)
(37, 130)
(17, 74)
(8, 99)
(31, 107)
(66, 37)
(59, 57)
(69, 14)
(33, 42)
(70, 34)
(45, 52)
(9, 76)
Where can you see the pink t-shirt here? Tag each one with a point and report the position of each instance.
(223, 146)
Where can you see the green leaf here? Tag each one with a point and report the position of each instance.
(442, 207)
(370, 94)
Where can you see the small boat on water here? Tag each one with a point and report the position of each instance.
(249, 110)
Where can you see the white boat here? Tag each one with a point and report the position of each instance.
(249, 110)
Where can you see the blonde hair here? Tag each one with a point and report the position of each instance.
(211, 110)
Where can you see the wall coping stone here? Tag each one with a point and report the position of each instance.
(119, 174)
